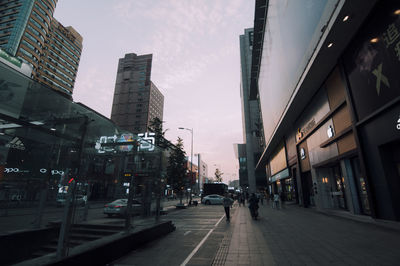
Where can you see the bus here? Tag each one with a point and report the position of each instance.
(214, 188)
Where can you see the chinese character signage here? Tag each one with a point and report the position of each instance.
(373, 60)
(107, 144)
(147, 141)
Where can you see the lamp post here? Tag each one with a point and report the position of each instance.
(191, 161)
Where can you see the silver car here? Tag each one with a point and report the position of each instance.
(80, 200)
(212, 199)
(119, 207)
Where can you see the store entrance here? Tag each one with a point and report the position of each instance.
(337, 188)
(390, 155)
(308, 191)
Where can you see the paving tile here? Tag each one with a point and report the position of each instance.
(298, 236)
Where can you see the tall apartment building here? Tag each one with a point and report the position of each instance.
(29, 32)
(136, 99)
(251, 120)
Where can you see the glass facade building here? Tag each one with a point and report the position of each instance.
(48, 143)
(329, 101)
(251, 120)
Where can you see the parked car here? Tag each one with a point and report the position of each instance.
(119, 207)
(80, 200)
(212, 199)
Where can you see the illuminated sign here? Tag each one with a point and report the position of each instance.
(53, 172)
(398, 124)
(56, 172)
(302, 153)
(114, 139)
(147, 141)
(105, 140)
(42, 170)
(63, 189)
(330, 131)
(302, 132)
(11, 170)
(126, 138)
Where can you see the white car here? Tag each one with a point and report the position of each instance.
(212, 199)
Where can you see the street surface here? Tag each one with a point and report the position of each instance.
(290, 236)
(24, 218)
(192, 226)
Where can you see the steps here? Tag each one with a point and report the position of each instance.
(80, 234)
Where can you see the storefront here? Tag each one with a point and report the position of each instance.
(372, 65)
(327, 151)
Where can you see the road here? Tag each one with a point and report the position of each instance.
(197, 238)
(24, 218)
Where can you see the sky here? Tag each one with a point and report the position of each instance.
(196, 64)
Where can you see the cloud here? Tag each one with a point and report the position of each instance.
(195, 47)
(97, 93)
(179, 32)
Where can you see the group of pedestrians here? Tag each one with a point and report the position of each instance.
(278, 202)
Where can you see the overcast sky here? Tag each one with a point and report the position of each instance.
(196, 64)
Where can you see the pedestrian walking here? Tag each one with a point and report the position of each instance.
(253, 206)
(275, 204)
(262, 198)
(227, 202)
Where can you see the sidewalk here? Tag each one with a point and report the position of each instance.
(298, 236)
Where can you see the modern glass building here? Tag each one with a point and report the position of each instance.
(47, 140)
(136, 99)
(251, 119)
(326, 73)
(29, 32)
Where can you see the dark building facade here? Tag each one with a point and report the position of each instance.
(332, 134)
(251, 120)
(136, 99)
(240, 152)
(29, 32)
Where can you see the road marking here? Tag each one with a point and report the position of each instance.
(201, 243)
(187, 232)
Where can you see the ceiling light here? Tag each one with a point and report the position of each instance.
(37, 123)
(397, 12)
(346, 18)
(374, 40)
(330, 45)
(10, 125)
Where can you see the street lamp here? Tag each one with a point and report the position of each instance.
(191, 162)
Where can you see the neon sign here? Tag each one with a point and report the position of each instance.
(146, 143)
(126, 138)
(398, 124)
